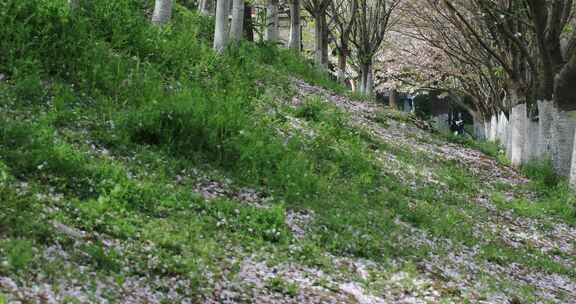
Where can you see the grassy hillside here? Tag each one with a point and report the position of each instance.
(137, 164)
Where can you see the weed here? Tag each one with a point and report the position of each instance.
(311, 110)
(105, 259)
(278, 284)
(555, 198)
(496, 253)
(19, 254)
(542, 173)
(487, 147)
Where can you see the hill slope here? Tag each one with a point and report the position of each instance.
(137, 166)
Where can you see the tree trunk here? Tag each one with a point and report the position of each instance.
(236, 29)
(364, 71)
(295, 40)
(544, 124)
(518, 120)
(342, 62)
(162, 12)
(248, 25)
(366, 81)
(318, 41)
(272, 21)
(564, 88)
(531, 140)
(573, 165)
(370, 81)
(493, 128)
(221, 28)
(500, 125)
(393, 99)
(206, 7)
(505, 128)
(325, 59)
(479, 131)
(562, 140)
(508, 144)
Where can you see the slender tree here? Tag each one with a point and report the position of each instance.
(295, 41)
(248, 23)
(221, 27)
(272, 21)
(317, 9)
(162, 11)
(206, 7)
(342, 14)
(236, 29)
(368, 31)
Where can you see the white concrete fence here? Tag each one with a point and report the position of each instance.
(549, 136)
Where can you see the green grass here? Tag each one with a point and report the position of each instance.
(555, 196)
(109, 134)
(157, 100)
(19, 254)
(278, 284)
(487, 147)
(554, 199)
(502, 255)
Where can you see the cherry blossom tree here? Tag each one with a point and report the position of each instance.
(342, 14)
(368, 31)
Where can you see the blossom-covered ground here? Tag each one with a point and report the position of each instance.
(510, 258)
